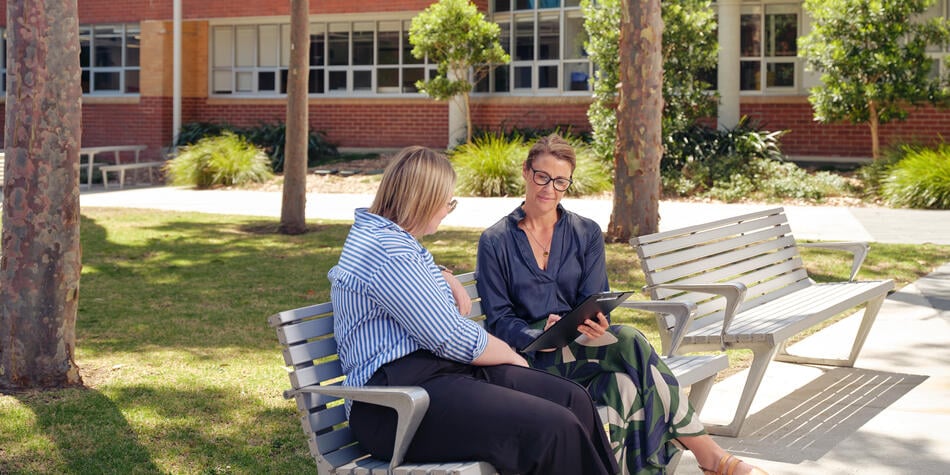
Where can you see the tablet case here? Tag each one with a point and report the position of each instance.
(565, 331)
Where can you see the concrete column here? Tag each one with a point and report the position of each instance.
(728, 77)
(176, 70)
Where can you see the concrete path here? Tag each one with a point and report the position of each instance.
(888, 415)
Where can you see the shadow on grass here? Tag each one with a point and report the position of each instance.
(92, 435)
(89, 431)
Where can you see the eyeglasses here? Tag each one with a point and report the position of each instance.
(542, 179)
(452, 205)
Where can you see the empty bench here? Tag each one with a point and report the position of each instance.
(316, 375)
(123, 167)
(751, 289)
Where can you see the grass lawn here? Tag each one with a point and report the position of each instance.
(182, 373)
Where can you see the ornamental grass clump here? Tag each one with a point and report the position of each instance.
(224, 160)
(490, 166)
(920, 180)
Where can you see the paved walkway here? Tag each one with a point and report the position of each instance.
(888, 415)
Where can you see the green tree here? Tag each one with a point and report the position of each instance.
(464, 45)
(872, 58)
(689, 47)
(39, 274)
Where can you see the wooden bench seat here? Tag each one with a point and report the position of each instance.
(316, 375)
(751, 291)
(123, 167)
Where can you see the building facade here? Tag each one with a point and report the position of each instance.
(234, 59)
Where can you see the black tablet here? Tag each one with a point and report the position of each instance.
(565, 331)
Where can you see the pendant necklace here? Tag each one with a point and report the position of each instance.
(531, 235)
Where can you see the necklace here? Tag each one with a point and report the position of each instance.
(536, 241)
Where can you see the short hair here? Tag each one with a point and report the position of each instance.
(553, 145)
(416, 183)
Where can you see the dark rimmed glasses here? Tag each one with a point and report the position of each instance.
(543, 178)
(452, 205)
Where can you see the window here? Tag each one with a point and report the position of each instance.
(768, 40)
(545, 39)
(938, 53)
(361, 57)
(109, 59)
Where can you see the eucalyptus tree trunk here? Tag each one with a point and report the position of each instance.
(40, 264)
(293, 219)
(639, 122)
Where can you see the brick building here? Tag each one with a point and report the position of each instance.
(234, 57)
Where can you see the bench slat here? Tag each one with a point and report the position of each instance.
(735, 263)
(651, 238)
(713, 235)
(316, 374)
(307, 352)
(292, 333)
(693, 254)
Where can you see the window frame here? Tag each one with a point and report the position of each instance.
(125, 32)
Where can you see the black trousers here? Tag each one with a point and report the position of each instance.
(521, 420)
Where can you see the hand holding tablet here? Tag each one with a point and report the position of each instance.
(565, 330)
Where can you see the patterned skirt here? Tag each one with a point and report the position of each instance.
(647, 407)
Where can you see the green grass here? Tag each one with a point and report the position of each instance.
(182, 373)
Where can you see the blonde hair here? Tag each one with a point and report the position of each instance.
(417, 182)
(553, 145)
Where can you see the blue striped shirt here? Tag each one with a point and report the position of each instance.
(390, 300)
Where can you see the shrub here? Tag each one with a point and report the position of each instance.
(270, 137)
(591, 175)
(227, 159)
(490, 166)
(920, 180)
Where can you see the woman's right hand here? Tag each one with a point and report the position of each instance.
(552, 319)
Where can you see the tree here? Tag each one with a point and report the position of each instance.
(872, 59)
(457, 37)
(636, 207)
(40, 267)
(294, 204)
(689, 47)
(684, 95)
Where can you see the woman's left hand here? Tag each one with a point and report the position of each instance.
(594, 329)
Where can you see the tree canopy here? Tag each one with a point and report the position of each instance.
(872, 56)
(454, 35)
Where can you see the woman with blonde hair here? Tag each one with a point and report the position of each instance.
(397, 325)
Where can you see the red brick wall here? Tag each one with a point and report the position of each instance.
(809, 138)
(148, 122)
(363, 123)
(540, 113)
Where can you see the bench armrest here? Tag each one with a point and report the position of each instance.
(410, 403)
(858, 248)
(681, 312)
(733, 292)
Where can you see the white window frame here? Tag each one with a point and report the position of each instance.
(535, 15)
(126, 30)
(762, 10)
(349, 71)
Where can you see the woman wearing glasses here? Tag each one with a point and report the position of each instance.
(397, 325)
(542, 260)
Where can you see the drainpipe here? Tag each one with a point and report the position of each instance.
(728, 76)
(176, 71)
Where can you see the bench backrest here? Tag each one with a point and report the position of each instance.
(310, 352)
(756, 249)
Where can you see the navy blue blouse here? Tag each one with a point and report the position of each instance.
(516, 293)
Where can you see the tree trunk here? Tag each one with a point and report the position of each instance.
(639, 122)
(40, 267)
(874, 124)
(293, 208)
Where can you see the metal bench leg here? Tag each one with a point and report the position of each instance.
(870, 314)
(761, 357)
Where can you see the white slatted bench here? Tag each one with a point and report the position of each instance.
(115, 150)
(752, 292)
(123, 167)
(315, 375)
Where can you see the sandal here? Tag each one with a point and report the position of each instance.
(727, 466)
